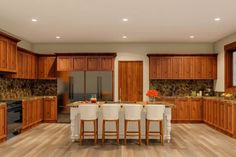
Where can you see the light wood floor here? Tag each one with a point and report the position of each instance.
(53, 140)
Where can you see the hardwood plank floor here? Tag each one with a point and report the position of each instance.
(53, 140)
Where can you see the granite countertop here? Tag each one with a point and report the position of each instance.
(26, 98)
(232, 101)
(100, 103)
(2, 103)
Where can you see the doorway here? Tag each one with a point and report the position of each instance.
(130, 81)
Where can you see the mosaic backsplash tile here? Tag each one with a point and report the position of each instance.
(17, 88)
(180, 87)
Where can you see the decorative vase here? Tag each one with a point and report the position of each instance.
(152, 99)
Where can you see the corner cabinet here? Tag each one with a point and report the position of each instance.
(47, 67)
(183, 66)
(3, 121)
(220, 115)
(8, 53)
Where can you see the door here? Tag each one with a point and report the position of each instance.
(130, 83)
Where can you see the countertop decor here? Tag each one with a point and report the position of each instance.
(152, 94)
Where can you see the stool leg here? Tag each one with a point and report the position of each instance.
(125, 141)
(147, 131)
(139, 132)
(81, 131)
(95, 133)
(117, 132)
(161, 132)
(103, 131)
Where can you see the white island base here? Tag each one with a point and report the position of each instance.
(75, 125)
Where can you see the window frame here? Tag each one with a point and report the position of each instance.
(229, 50)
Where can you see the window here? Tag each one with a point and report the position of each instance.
(230, 67)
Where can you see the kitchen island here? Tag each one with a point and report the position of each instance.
(75, 121)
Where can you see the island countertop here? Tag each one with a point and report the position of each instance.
(100, 103)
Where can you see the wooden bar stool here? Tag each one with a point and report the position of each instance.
(154, 114)
(132, 114)
(88, 113)
(110, 113)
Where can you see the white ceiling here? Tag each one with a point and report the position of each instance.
(101, 20)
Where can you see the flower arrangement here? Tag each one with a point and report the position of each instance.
(152, 93)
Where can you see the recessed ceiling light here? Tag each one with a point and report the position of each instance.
(191, 36)
(217, 19)
(34, 20)
(124, 37)
(125, 19)
(58, 37)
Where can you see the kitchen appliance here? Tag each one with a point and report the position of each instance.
(82, 86)
(208, 92)
(14, 118)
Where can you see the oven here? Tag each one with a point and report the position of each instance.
(14, 118)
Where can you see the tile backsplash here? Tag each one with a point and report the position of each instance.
(180, 87)
(17, 88)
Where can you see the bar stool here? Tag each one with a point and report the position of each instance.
(110, 113)
(88, 113)
(132, 114)
(154, 114)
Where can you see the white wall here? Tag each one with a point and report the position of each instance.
(219, 48)
(23, 43)
(128, 51)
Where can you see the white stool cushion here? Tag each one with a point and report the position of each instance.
(155, 112)
(133, 111)
(110, 111)
(88, 111)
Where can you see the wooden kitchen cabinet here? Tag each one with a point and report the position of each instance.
(106, 63)
(26, 65)
(3, 121)
(8, 53)
(220, 115)
(32, 112)
(166, 68)
(93, 63)
(177, 66)
(182, 109)
(196, 109)
(85, 62)
(182, 66)
(64, 63)
(47, 67)
(50, 109)
(80, 63)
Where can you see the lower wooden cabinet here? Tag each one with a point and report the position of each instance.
(182, 109)
(220, 115)
(50, 109)
(186, 109)
(3, 121)
(37, 110)
(196, 109)
(31, 112)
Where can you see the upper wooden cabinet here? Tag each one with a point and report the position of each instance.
(26, 65)
(64, 63)
(183, 66)
(8, 53)
(93, 63)
(86, 62)
(80, 63)
(46, 67)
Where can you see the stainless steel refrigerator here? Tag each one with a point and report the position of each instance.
(84, 85)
